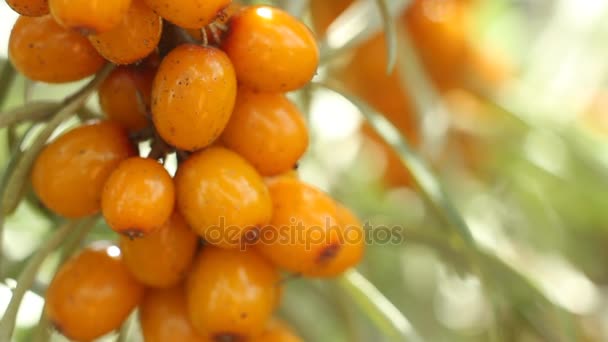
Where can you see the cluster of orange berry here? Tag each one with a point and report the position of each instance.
(200, 252)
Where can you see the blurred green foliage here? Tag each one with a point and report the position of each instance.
(534, 201)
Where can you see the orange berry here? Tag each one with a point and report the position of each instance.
(353, 245)
(324, 12)
(277, 331)
(439, 31)
(193, 96)
(231, 293)
(30, 8)
(133, 39)
(303, 235)
(125, 95)
(162, 257)
(44, 51)
(271, 50)
(223, 17)
(365, 76)
(163, 316)
(89, 16)
(69, 174)
(393, 173)
(268, 130)
(138, 197)
(92, 294)
(190, 14)
(222, 197)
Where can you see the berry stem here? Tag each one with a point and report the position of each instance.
(33, 111)
(159, 148)
(86, 114)
(28, 275)
(28, 90)
(390, 31)
(8, 75)
(43, 329)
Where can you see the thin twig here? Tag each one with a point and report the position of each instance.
(8, 75)
(28, 90)
(378, 308)
(124, 332)
(390, 32)
(31, 111)
(28, 275)
(86, 114)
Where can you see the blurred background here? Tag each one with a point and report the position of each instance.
(504, 104)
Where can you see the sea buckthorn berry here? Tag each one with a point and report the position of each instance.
(69, 174)
(271, 50)
(30, 8)
(268, 130)
(191, 14)
(163, 316)
(162, 257)
(393, 173)
(277, 331)
(303, 235)
(138, 197)
(193, 96)
(222, 197)
(231, 293)
(323, 13)
(125, 96)
(214, 32)
(92, 294)
(133, 39)
(44, 51)
(353, 245)
(89, 16)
